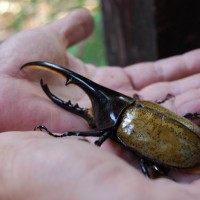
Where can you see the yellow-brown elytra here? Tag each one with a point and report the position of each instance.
(158, 136)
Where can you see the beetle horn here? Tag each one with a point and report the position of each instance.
(107, 104)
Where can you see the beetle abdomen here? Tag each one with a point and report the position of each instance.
(160, 136)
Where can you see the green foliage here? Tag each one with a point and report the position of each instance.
(92, 50)
(17, 22)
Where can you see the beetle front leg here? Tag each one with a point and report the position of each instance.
(102, 134)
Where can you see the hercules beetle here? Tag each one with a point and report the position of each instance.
(161, 139)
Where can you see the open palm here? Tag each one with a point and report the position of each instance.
(54, 167)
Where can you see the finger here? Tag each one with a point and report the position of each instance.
(168, 69)
(75, 27)
(187, 102)
(160, 90)
(185, 91)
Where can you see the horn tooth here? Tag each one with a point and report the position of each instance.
(42, 83)
(68, 81)
(68, 103)
(76, 106)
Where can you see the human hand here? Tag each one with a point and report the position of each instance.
(36, 164)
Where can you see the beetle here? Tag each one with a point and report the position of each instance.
(161, 139)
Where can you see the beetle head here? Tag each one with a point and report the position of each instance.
(107, 104)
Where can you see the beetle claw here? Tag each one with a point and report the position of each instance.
(68, 81)
(43, 128)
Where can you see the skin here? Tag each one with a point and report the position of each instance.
(37, 166)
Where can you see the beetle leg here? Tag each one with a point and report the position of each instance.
(167, 97)
(102, 134)
(102, 139)
(160, 169)
(144, 167)
(155, 167)
(192, 115)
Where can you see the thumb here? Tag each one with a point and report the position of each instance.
(75, 27)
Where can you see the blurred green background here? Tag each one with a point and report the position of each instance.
(17, 15)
